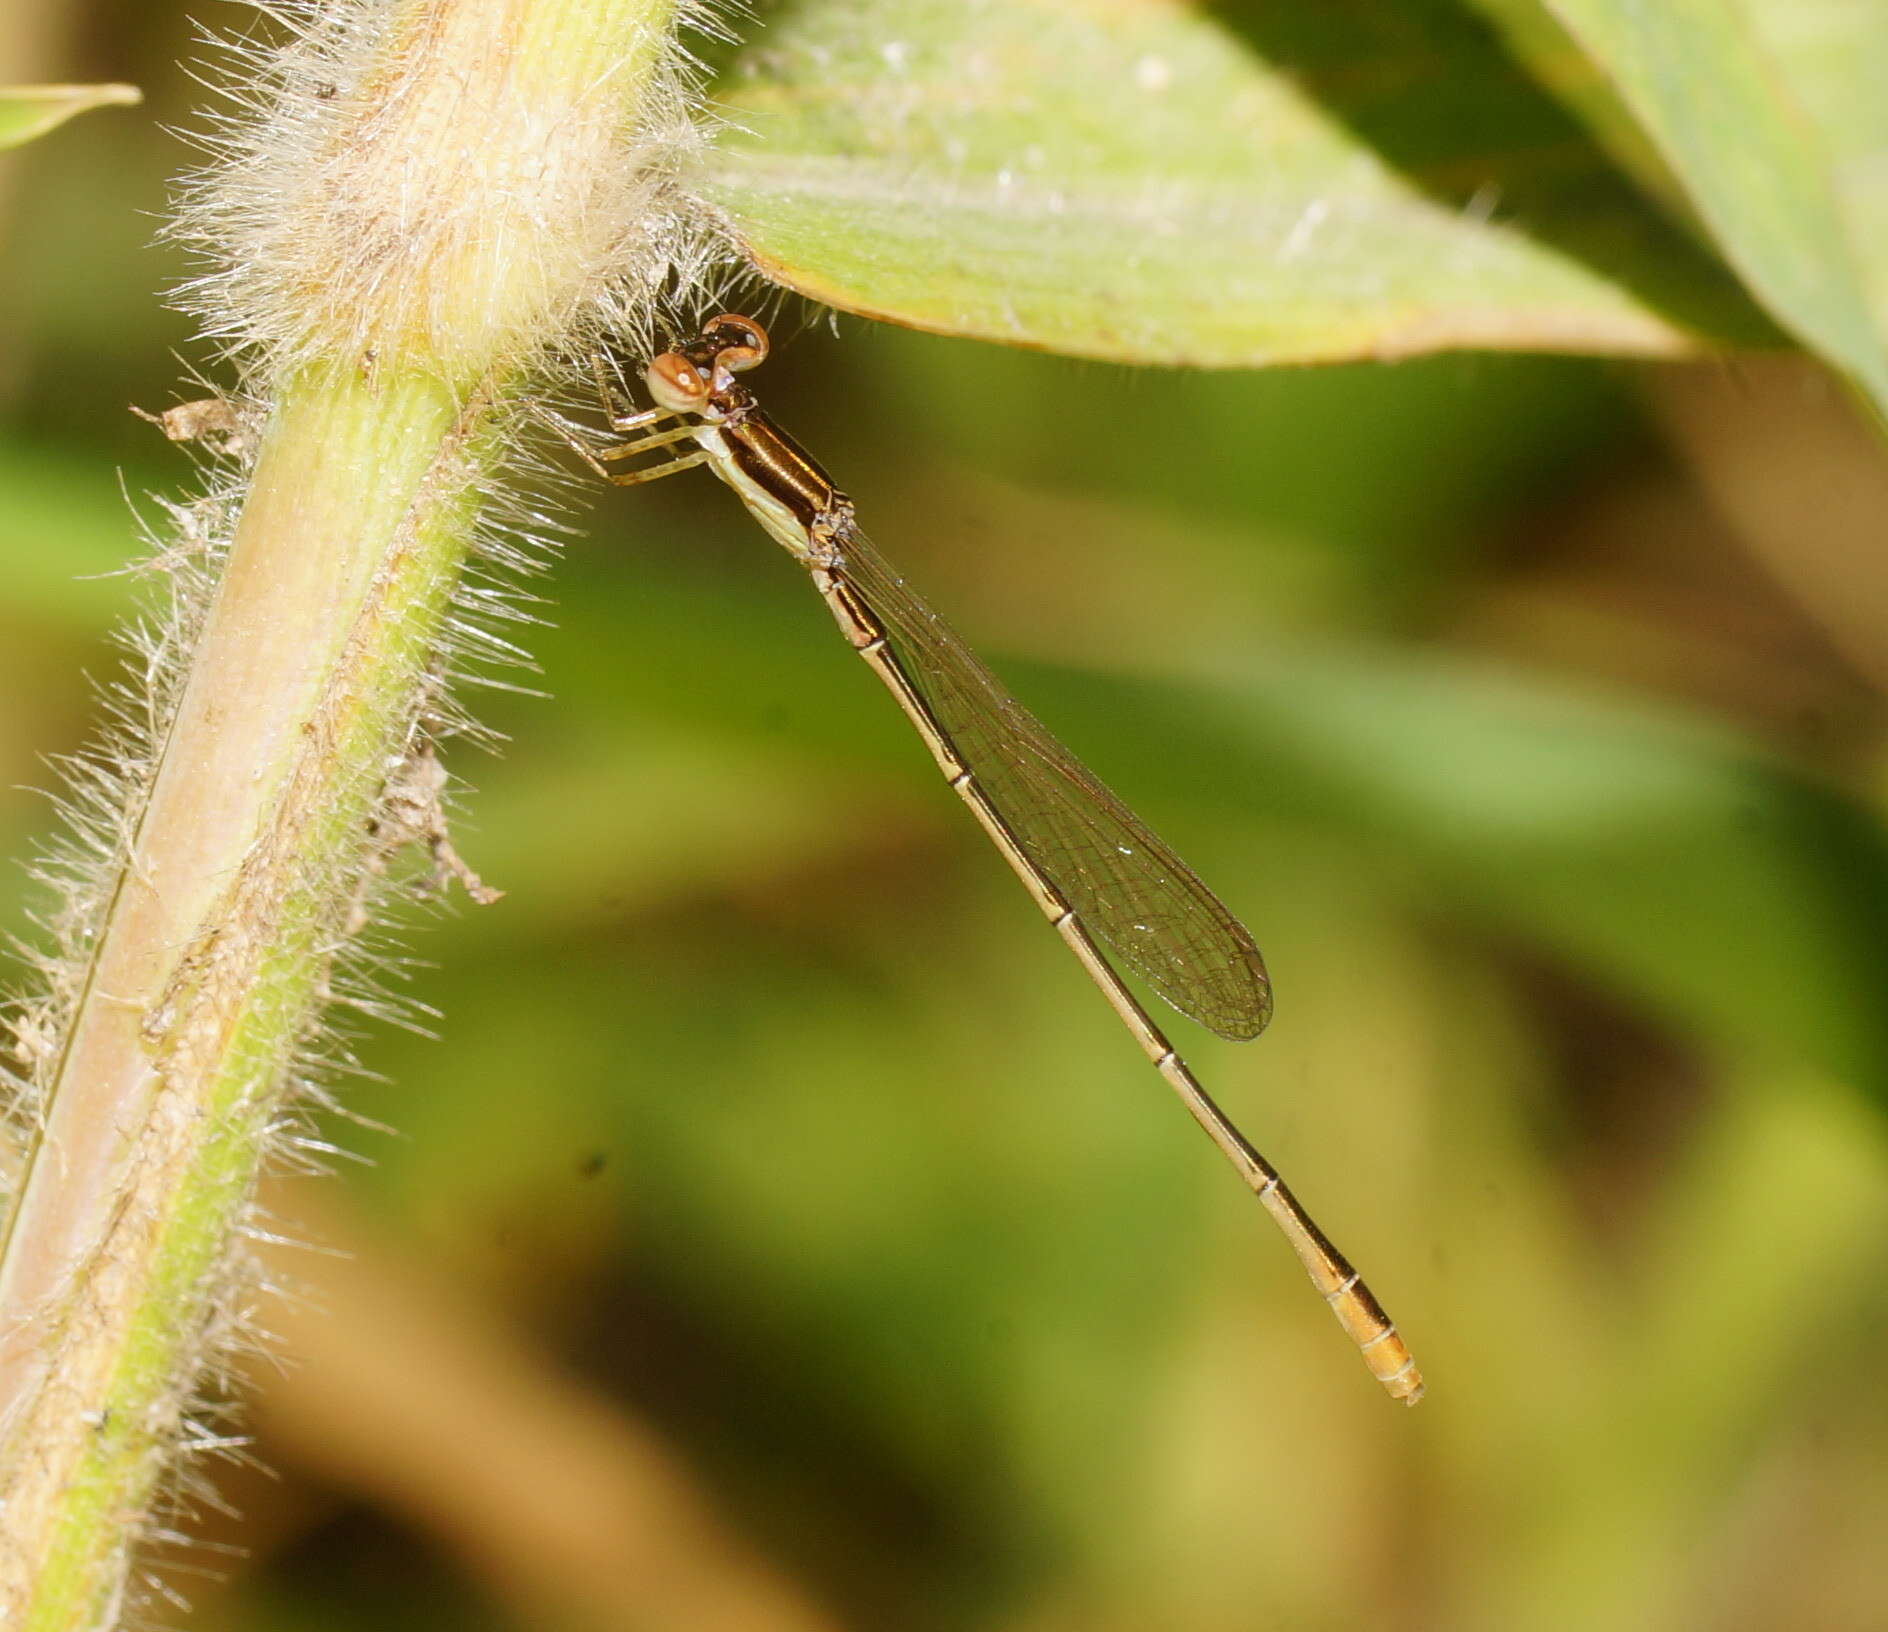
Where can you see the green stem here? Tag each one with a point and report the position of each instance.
(246, 866)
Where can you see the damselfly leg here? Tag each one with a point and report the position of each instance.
(648, 420)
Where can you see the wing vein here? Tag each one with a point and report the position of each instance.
(1135, 895)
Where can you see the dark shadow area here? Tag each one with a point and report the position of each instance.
(791, 1463)
(361, 1568)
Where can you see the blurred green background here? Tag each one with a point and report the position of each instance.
(780, 1233)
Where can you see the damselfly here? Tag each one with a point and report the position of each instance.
(1096, 871)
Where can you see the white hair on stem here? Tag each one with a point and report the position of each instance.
(363, 259)
(323, 236)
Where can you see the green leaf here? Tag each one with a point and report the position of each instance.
(1542, 44)
(1139, 183)
(27, 111)
(1769, 113)
(1833, 59)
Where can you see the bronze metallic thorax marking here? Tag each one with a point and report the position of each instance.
(774, 462)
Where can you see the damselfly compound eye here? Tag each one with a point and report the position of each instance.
(676, 383)
(740, 343)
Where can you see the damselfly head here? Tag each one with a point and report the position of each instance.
(688, 379)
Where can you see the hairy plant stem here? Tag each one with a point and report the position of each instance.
(244, 870)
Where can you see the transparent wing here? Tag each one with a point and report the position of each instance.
(1134, 894)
